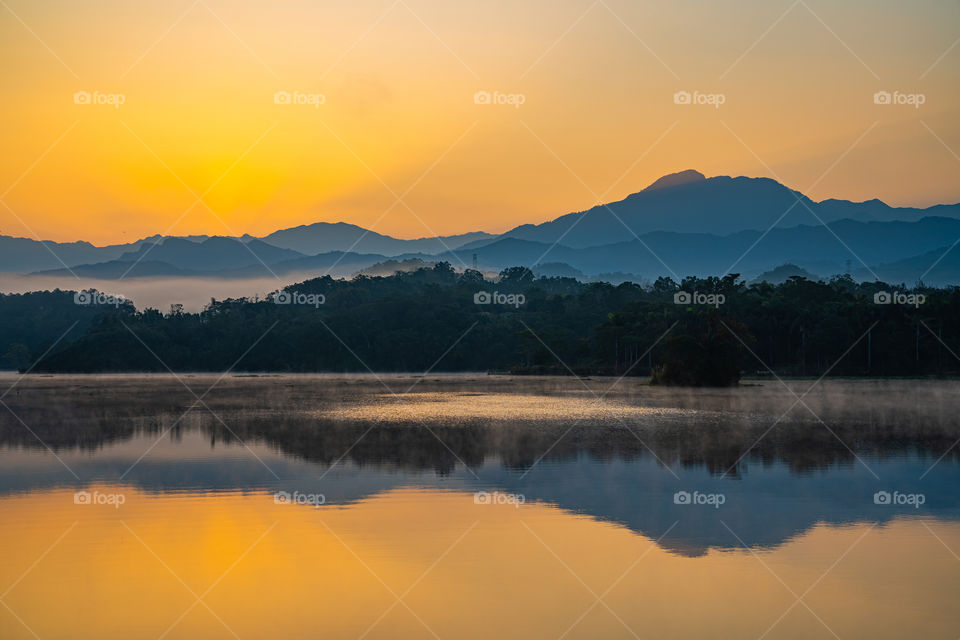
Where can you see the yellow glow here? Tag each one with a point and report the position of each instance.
(399, 82)
(321, 572)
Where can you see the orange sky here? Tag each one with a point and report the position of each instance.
(463, 570)
(200, 146)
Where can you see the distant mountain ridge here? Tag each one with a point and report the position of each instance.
(683, 223)
(218, 252)
(214, 253)
(688, 202)
(24, 255)
(676, 180)
(835, 248)
(320, 237)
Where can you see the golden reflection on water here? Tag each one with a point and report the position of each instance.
(447, 407)
(462, 570)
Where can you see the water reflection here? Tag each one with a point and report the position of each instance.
(409, 563)
(177, 530)
(456, 420)
(622, 461)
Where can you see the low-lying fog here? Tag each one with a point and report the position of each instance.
(193, 293)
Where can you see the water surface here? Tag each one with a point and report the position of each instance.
(475, 507)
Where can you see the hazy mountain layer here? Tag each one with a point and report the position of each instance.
(719, 205)
(684, 223)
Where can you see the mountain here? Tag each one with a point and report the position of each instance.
(686, 201)
(121, 269)
(390, 267)
(334, 263)
(835, 248)
(937, 268)
(816, 248)
(155, 238)
(183, 257)
(783, 273)
(321, 237)
(683, 223)
(204, 253)
(213, 254)
(23, 255)
(558, 270)
(676, 179)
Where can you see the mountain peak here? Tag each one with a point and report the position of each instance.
(677, 179)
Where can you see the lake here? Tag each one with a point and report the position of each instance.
(473, 506)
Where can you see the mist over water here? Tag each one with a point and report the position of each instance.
(319, 480)
(232, 235)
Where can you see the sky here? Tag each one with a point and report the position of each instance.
(123, 119)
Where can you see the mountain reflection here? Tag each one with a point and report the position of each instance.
(469, 420)
(620, 461)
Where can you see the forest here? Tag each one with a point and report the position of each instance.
(700, 331)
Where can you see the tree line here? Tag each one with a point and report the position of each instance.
(700, 331)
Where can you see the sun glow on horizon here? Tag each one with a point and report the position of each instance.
(180, 130)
